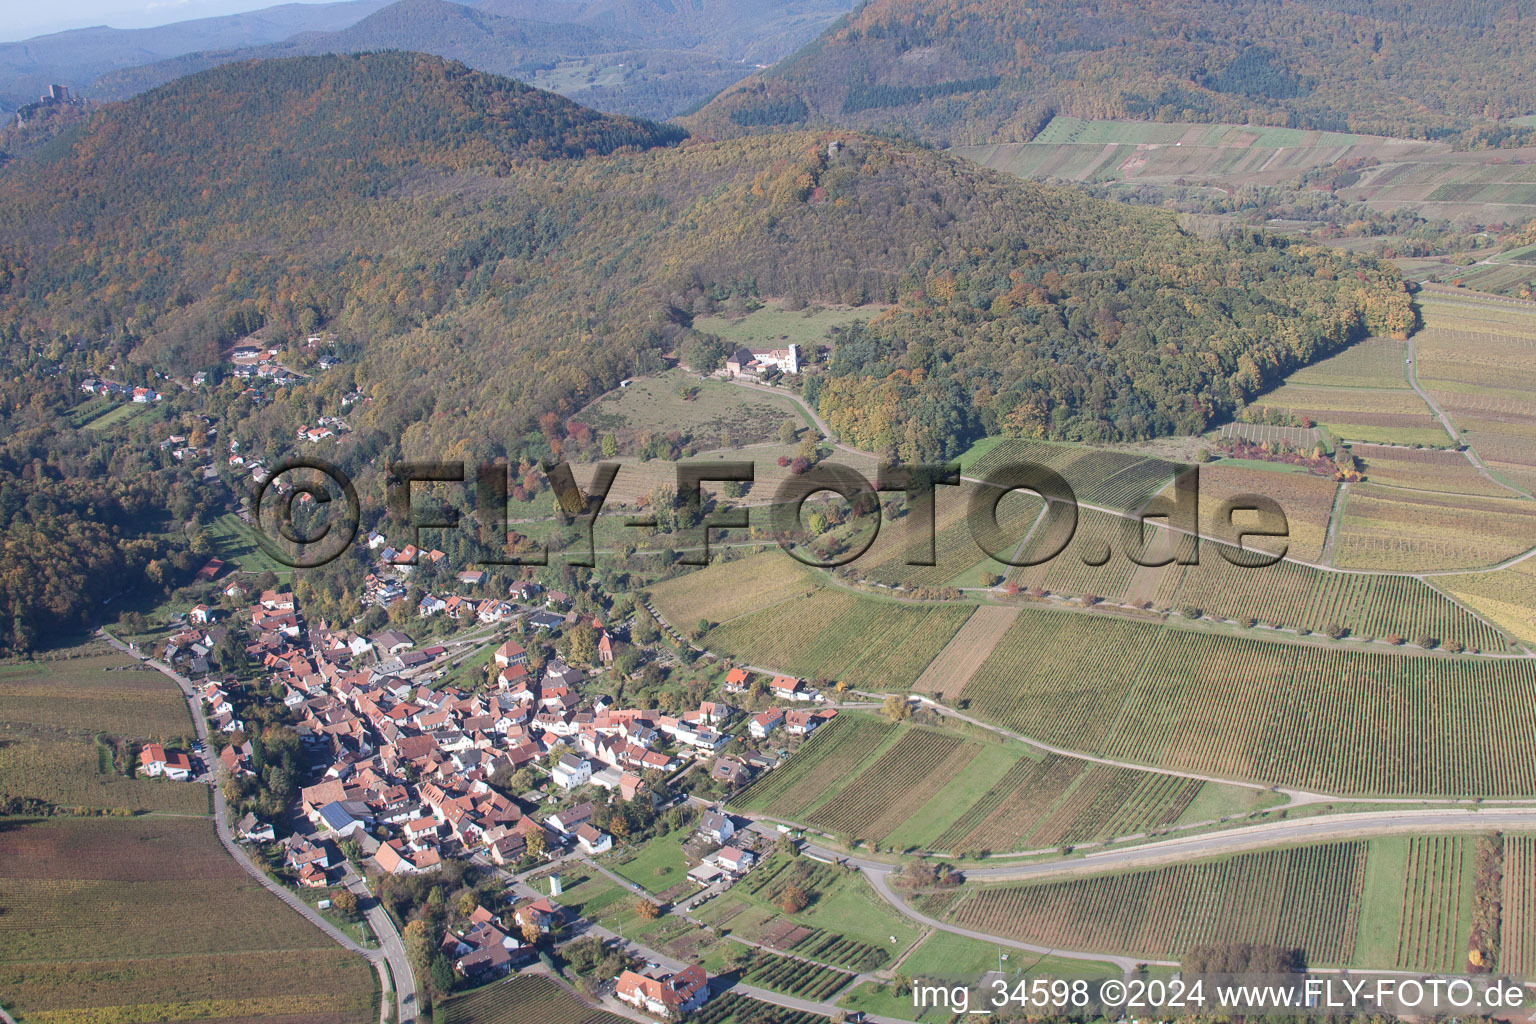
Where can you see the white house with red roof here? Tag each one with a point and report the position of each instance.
(764, 723)
(155, 762)
(665, 994)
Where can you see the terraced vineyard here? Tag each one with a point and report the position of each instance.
(1385, 415)
(1302, 897)
(850, 779)
(948, 673)
(711, 592)
(1477, 358)
(955, 549)
(833, 750)
(834, 634)
(1369, 363)
(111, 692)
(1327, 718)
(1060, 800)
(1109, 801)
(69, 773)
(1502, 597)
(1286, 594)
(75, 896)
(1517, 953)
(793, 977)
(1437, 901)
(735, 1008)
(522, 999)
(1118, 480)
(1301, 597)
(887, 792)
(1430, 469)
(1306, 498)
(1419, 531)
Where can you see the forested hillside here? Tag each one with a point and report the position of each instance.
(494, 257)
(412, 204)
(972, 71)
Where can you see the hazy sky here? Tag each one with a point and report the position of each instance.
(22, 19)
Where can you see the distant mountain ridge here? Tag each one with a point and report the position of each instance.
(481, 40)
(981, 71)
(648, 57)
(78, 57)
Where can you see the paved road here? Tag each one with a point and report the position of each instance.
(1212, 844)
(389, 960)
(821, 424)
(1275, 833)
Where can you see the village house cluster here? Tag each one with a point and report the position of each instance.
(259, 362)
(405, 766)
(121, 392)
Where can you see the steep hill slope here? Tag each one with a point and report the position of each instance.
(978, 71)
(470, 239)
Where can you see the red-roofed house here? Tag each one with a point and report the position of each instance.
(763, 724)
(510, 653)
(669, 996)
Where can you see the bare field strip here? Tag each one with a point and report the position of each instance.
(953, 667)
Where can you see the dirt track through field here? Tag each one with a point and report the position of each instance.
(963, 655)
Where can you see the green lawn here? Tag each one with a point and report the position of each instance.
(591, 896)
(235, 542)
(122, 414)
(1381, 903)
(1217, 800)
(471, 668)
(969, 457)
(845, 905)
(660, 863)
(600, 899)
(946, 955)
(773, 326)
(878, 1000)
